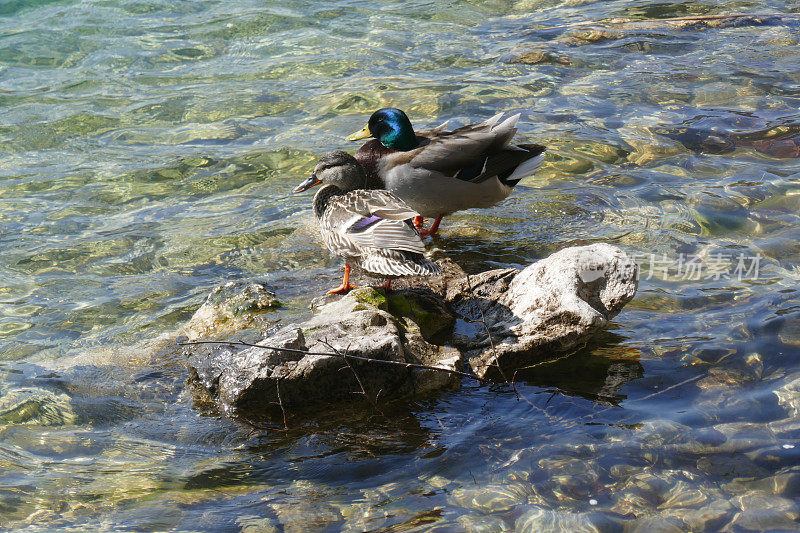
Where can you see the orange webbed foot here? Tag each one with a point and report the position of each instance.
(433, 229)
(341, 289)
(345, 287)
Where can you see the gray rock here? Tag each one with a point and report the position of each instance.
(777, 456)
(683, 496)
(306, 515)
(789, 397)
(765, 512)
(33, 405)
(554, 305)
(623, 471)
(730, 466)
(784, 483)
(255, 524)
(359, 325)
(644, 488)
(659, 524)
(658, 433)
(229, 308)
(710, 517)
(729, 438)
(481, 523)
(759, 501)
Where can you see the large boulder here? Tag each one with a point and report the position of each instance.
(489, 324)
(296, 372)
(553, 305)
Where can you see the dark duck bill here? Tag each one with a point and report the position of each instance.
(309, 182)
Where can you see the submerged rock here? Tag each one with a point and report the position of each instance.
(229, 308)
(540, 519)
(491, 498)
(33, 405)
(497, 319)
(763, 512)
(710, 517)
(789, 397)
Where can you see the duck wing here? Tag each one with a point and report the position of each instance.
(372, 219)
(449, 152)
(474, 153)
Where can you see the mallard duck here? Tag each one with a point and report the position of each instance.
(370, 229)
(438, 172)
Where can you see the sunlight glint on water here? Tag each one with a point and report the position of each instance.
(147, 154)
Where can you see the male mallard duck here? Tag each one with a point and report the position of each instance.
(437, 172)
(370, 229)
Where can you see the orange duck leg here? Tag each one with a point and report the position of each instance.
(428, 232)
(345, 287)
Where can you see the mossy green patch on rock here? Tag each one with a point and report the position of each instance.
(424, 312)
(373, 297)
(400, 306)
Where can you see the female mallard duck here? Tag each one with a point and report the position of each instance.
(437, 172)
(370, 229)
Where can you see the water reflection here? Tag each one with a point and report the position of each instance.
(597, 372)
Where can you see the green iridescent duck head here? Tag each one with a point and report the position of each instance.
(391, 127)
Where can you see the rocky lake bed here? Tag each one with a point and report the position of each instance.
(147, 155)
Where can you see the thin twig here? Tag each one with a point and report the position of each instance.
(253, 425)
(374, 401)
(499, 368)
(280, 402)
(540, 363)
(519, 395)
(684, 382)
(491, 340)
(330, 354)
(658, 393)
(346, 356)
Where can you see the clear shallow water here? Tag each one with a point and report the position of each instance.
(147, 153)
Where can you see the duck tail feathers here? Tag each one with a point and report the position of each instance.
(407, 264)
(509, 123)
(526, 168)
(492, 121)
(534, 149)
(441, 127)
(504, 131)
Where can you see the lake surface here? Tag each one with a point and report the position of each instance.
(147, 153)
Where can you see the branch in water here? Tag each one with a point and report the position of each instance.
(332, 354)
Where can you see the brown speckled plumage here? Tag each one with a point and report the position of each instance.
(370, 229)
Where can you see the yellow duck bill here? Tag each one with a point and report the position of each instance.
(307, 184)
(361, 134)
